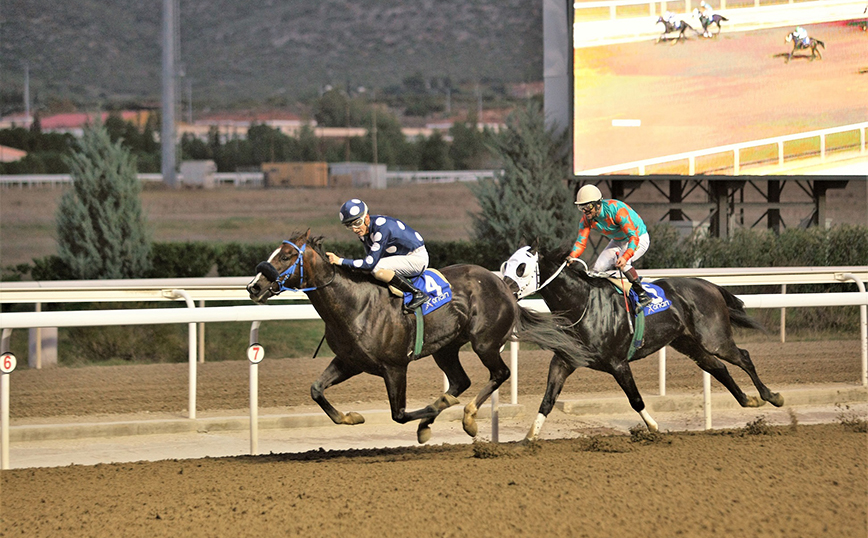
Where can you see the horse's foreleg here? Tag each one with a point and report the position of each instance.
(624, 376)
(336, 372)
(559, 371)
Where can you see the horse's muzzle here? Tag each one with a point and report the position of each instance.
(511, 284)
(260, 290)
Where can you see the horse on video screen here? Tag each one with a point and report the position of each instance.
(708, 21)
(799, 44)
(673, 26)
(368, 331)
(692, 315)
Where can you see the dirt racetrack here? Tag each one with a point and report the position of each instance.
(797, 480)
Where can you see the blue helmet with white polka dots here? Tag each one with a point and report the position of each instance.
(352, 210)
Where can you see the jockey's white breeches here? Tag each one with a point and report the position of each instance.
(408, 265)
(607, 258)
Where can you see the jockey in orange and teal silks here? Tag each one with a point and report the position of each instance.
(624, 227)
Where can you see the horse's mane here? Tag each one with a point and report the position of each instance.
(571, 273)
(315, 242)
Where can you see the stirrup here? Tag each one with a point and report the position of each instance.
(418, 300)
(644, 300)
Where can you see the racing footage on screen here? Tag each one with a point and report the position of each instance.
(705, 89)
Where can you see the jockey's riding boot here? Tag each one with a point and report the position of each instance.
(404, 285)
(642, 296)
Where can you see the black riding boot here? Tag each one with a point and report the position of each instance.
(643, 298)
(404, 285)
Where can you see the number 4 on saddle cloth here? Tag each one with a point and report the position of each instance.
(434, 285)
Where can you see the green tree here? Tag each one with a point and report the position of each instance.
(101, 229)
(530, 198)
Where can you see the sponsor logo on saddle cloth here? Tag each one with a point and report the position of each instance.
(434, 285)
(659, 302)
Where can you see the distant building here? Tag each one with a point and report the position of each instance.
(9, 155)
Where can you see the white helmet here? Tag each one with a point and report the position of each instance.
(588, 194)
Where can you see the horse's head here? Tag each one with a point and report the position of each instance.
(284, 270)
(521, 272)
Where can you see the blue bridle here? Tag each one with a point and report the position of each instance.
(269, 271)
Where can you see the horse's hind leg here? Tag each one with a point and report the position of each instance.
(447, 359)
(336, 372)
(734, 355)
(499, 372)
(559, 371)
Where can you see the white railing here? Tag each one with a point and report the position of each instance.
(256, 314)
(237, 179)
(443, 176)
(735, 150)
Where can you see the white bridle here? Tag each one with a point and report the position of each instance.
(523, 269)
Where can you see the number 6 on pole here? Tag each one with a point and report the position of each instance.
(8, 362)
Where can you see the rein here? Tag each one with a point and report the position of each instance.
(554, 275)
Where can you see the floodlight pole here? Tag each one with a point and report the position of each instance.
(167, 133)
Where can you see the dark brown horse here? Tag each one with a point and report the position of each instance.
(679, 27)
(368, 331)
(698, 323)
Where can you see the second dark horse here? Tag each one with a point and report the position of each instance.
(698, 323)
(678, 26)
(368, 332)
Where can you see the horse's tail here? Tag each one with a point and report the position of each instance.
(723, 18)
(820, 43)
(737, 315)
(546, 331)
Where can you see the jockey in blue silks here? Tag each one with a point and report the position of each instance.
(393, 250)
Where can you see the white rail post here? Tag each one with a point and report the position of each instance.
(4, 404)
(783, 316)
(495, 418)
(255, 354)
(661, 365)
(706, 398)
(863, 325)
(4, 418)
(202, 336)
(191, 352)
(513, 368)
(39, 341)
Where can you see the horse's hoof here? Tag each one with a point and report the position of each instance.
(753, 401)
(423, 434)
(776, 400)
(353, 418)
(470, 426)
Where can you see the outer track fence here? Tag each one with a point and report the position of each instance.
(208, 289)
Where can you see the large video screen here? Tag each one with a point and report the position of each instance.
(737, 99)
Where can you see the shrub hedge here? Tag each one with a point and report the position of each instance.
(841, 245)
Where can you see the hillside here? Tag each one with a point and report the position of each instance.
(96, 51)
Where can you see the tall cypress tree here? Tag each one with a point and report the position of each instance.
(101, 229)
(531, 198)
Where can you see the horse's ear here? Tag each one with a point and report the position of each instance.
(307, 235)
(534, 246)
